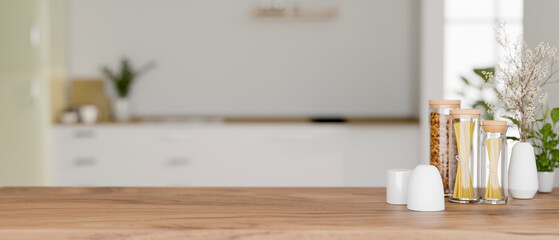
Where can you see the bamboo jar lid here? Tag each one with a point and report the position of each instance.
(473, 113)
(494, 126)
(442, 103)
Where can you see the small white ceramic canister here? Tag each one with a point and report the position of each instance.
(425, 189)
(397, 185)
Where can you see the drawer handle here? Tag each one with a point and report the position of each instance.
(177, 161)
(84, 134)
(84, 162)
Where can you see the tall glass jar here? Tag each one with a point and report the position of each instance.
(464, 155)
(493, 160)
(439, 118)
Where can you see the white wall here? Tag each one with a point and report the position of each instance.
(215, 59)
(540, 25)
(373, 149)
(432, 65)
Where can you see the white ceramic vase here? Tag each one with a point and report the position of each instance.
(88, 114)
(121, 107)
(523, 174)
(546, 180)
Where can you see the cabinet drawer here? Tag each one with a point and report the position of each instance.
(78, 171)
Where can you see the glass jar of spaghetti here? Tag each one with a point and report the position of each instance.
(439, 119)
(493, 160)
(464, 155)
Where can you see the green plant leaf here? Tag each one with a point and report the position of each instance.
(555, 155)
(551, 144)
(538, 134)
(481, 104)
(125, 76)
(513, 138)
(555, 115)
(514, 121)
(545, 131)
(479, 72)
(465, 80)
(541, 162)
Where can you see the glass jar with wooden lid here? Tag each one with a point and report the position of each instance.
(493, 160)
(439, 118)
(464, 155)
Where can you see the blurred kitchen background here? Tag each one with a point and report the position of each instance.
(238, 92)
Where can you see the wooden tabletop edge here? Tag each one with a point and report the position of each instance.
(249, 234)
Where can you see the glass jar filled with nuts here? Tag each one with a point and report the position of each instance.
(439, 118)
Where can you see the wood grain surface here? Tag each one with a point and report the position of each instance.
(260, 213)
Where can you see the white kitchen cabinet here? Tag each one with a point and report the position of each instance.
(271, 155)
(227, 154)
(199, 155)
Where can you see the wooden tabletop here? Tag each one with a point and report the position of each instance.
(260, 213)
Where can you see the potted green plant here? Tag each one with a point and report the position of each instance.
(123, 79)
(545, 141)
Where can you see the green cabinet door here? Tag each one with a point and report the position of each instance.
(23, 104)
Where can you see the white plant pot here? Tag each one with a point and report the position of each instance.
(523, 174)
(121, 107)
(546, 180)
